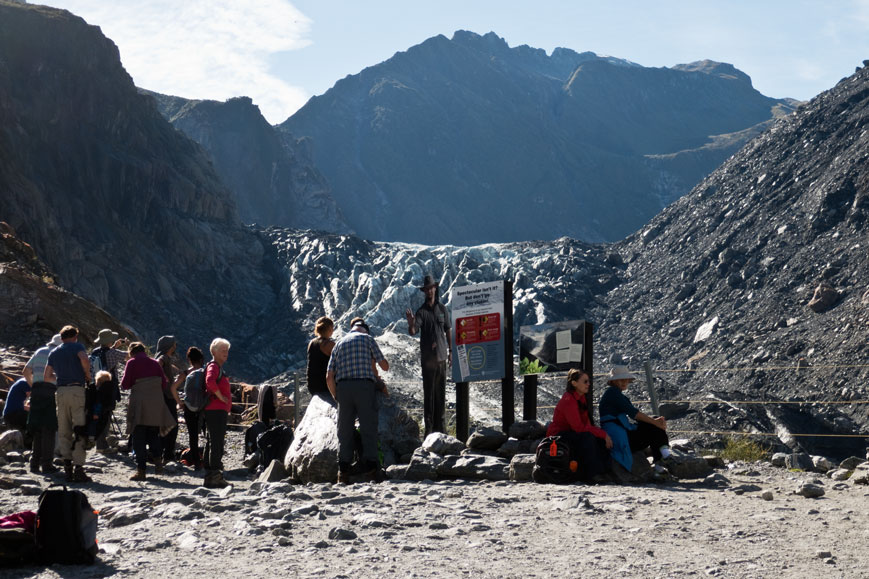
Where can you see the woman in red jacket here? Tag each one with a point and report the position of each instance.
(216, 413)
(588, 444)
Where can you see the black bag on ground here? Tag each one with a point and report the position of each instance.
(251, 434)
(552, 462)
(274, 443)
(17, 548)
(66, 527)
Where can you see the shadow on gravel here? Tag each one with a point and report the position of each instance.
(98, 569)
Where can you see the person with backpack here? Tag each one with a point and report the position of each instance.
(109, 357)
(589, 445)
(216, 413)
(166, 348)
(147, 415)
(35, 367)
(193, 404)
(435, 347)
(68, 366)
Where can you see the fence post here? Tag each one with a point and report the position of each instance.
(296, 400)
(529, 397)
(462, 410)
(650, 385)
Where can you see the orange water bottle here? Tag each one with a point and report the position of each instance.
(553, 449)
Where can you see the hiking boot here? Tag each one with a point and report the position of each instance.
(343, 478)
(158, 466)
(49, 469)
(67, 469)
(139, 476)
(215, 480)
(34, 468)
(80, 476)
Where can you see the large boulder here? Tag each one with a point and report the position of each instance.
(521, 466)
(474, 467)
(690, 466)
(11, 440)
(313, 455)
(486, 438)
(824, 298)
(527, 430)
(442, 444)
(398, 432)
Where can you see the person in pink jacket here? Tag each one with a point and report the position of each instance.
(216, 413)
(588, 444)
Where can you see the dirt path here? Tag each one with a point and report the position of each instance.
(169, 526)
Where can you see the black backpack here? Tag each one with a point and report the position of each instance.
(274, 443)
(66, 527)
(552, 462)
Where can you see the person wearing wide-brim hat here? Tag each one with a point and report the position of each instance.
(630, 429)
(432, 322)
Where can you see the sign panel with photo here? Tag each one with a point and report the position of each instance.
(554, 347)
(478, 331)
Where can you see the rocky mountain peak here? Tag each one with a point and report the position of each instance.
(721, 69)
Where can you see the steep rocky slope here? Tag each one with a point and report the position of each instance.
(33, 308)
(273, 178)
(724, 277)
(491, 143)
(122, 207)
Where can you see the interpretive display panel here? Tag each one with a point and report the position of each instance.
(478, 320)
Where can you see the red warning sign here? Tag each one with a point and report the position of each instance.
(476, 329)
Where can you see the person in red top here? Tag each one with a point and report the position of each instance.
(588, 444)
(216, 413)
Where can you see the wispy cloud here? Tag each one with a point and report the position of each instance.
(204, 49)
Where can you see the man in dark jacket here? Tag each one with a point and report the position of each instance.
(435, 349)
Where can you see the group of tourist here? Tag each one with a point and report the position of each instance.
(50, 399)
(624, 429)
(63, 396)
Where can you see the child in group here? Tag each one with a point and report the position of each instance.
(101, 409)
(42, 425)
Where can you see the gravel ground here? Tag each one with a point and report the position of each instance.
(170, 526)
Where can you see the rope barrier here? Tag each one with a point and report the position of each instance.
(731, 432)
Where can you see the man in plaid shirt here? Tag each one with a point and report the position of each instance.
(352, 379)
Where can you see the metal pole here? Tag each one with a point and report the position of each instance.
(295, 400)
(529, 397)
(507, 385)
(650, 385)
(462, 410)
(588, 366)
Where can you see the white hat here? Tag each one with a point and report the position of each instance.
(55, 341)
(620, 373)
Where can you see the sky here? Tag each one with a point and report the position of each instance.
(282, 52)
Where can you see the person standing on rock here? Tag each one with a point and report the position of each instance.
(616, 416)
(319, 351)
(147, 415)
(352, 379)
(435, 347)
(216, 413)
(166, 347)
(68, 367)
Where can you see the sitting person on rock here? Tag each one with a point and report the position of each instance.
(588, 444)
(630, 429)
